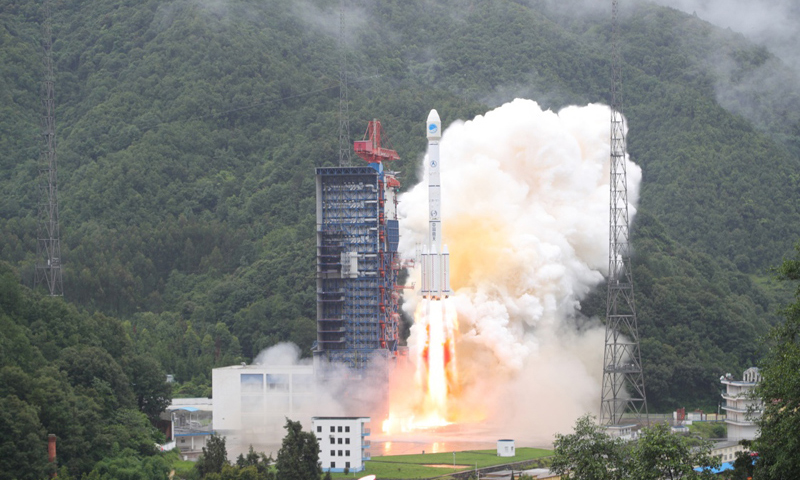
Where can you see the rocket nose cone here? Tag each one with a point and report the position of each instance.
(433, 125)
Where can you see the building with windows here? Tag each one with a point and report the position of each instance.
(726, 451)
(188, 424)
(742, 410)
(343, 442)
(257, 399)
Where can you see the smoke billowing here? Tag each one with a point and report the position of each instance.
(525, 206)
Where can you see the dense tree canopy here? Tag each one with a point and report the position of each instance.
(65, 372)
(589, 453)
(188, 133)
(779, 434)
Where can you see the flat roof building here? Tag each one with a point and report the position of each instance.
(343, 442)
(257, 399)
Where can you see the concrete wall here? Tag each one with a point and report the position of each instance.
(257, 399)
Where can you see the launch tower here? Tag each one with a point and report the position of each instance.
(623, 381)
(357, 261)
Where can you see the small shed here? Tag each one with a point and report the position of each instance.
(505, 448)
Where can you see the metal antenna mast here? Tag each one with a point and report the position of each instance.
(48, 246)
(623, 381)
(345, 155)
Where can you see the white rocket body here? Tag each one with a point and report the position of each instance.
(435, 257)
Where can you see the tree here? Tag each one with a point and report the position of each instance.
(587, 454)
(659, 454)
(743, 467)
(779, 438)
(214, 457)
(298, 458)
(23, 448)
(150, 387)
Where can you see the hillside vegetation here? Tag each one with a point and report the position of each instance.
(189, 131)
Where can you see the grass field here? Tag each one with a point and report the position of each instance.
(414, 466)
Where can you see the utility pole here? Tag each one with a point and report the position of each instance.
(623, 381)
(48, 245)
(345, 156)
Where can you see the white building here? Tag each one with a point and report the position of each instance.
(726, 451)
(625, 431)
(257, 399)
(190, 424)
(505, 448)
(742, 411)
(342, 442)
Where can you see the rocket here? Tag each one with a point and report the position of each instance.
(435, 258)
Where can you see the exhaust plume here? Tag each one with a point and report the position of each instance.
(526, 199)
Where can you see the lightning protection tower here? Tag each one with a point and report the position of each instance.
(623, 381)
(48, 245)
(345, 156)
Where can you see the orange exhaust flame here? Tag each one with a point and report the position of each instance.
(435, 373)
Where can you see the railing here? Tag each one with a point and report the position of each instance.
(365, 432)
(194, 429)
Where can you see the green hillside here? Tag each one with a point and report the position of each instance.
(189, 131)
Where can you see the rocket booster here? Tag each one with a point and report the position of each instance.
(435, 257)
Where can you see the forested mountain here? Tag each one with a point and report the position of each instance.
(189, 131)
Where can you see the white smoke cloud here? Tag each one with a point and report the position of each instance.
(525, 208)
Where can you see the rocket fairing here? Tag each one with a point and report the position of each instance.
(435, 257)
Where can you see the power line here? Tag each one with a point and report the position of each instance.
(261, 104)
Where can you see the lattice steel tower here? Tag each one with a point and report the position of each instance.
(48, 245)
(345, 156)
(623, 381)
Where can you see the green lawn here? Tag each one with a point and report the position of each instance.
(708, 429)
(413, 466)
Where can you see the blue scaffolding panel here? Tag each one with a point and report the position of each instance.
(357, 309)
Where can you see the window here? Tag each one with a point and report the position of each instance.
(278, 382)
(346, 464)
(340, 440)
(319, 428)
(319, 440)
(347, 453)
(347, 441)
(340, 429)
(340, 453)
(251, 384)
(333, 429)
(347, 429)
(333, 464)
(333, 453)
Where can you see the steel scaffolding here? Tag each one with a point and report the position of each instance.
(357, 308)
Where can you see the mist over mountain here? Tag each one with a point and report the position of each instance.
(188, 133)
